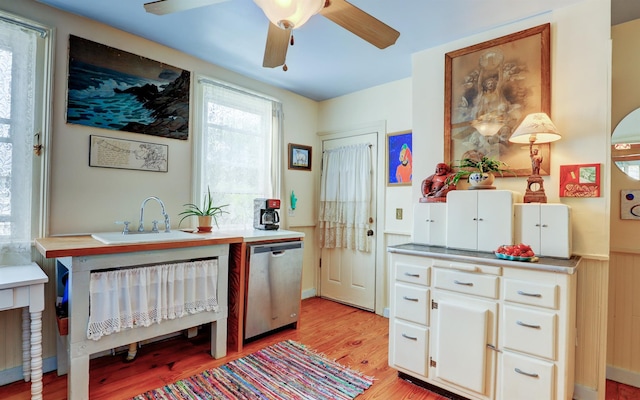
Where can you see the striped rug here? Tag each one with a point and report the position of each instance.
(286, 370)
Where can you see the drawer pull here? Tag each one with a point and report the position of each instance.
(412, 275)
(520, 292)
(404, 335)
(410, 298)
(457, 282)
(527, 325)
(518, 370)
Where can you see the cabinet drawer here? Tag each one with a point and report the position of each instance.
(411, 303)
(407, 272)
(409, 345)
(535, 294)
(526, 378)
(476, 284)
(530, 331)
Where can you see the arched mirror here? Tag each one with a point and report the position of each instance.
(625, 145)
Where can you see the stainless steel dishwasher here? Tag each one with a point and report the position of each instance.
(273, 287)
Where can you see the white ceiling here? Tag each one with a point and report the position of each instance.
(326, 61)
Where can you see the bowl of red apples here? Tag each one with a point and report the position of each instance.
(516, 252)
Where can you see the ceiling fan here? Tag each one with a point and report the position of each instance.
(286, 15)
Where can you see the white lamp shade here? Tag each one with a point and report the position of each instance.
(289, 14)
(536, 126)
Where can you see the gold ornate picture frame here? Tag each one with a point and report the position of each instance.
(495, 84)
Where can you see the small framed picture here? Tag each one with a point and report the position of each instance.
(299, 157)
(580, 180)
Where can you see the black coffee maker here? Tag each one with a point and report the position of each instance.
(265, 214)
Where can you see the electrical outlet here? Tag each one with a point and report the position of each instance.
(398, 213)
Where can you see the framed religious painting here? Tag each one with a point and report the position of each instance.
(489, 88)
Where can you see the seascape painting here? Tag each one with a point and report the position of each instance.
(113, 89)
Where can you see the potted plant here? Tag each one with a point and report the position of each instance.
(206, 214)
(479, 171)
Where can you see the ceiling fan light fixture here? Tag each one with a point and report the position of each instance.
(289, 14)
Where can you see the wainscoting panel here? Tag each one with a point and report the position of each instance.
(623, 343)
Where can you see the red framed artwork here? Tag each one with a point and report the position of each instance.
(580, 180)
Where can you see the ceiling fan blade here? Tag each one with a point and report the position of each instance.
(162, 7)
(275, 52)
(360, 23)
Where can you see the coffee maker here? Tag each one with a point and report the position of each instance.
(265, 214)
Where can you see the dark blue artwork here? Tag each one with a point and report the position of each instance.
(113, 89)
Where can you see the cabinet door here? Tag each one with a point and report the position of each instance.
(462, 328)
(430, 223)
(462, 231)
(555, 230)
(495, 219)
(527, 225)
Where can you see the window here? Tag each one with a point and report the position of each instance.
(23, 61)
(239, 155)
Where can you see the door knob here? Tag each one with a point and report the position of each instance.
(370, 232)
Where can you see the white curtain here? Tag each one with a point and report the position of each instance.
(345, 198)
(133, 297)
(17, 105)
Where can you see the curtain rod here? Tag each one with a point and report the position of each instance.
(370, 145)
(41, 31)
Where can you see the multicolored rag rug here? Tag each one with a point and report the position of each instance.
(286, 370)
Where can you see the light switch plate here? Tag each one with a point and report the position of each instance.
(398, 213)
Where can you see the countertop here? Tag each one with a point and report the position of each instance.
(552, 264)
(85, 245)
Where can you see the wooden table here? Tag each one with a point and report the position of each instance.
(22, 286)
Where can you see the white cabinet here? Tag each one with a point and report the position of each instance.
(483, 328)
(430, 223)
(479, 219)
(545, 227)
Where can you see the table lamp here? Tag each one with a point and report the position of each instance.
(535, 128)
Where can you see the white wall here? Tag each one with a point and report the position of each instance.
(86, 199)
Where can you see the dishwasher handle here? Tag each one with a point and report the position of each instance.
(275, 248)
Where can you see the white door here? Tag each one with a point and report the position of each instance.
(349, 276)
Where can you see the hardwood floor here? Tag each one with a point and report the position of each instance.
(355, 338)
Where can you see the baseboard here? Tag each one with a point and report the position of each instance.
(15, 374)
(385, 312)
(308, 293)
(584, 393)
(623, 376)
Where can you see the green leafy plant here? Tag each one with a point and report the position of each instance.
(467, 166)
(207, 210)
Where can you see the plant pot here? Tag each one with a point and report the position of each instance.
(204, 223)
(481, 180)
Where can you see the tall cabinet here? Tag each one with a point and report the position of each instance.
(481, 327)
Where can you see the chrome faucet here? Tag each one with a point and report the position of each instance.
(167, 221)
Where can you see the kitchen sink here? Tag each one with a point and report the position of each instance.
(143, 237)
